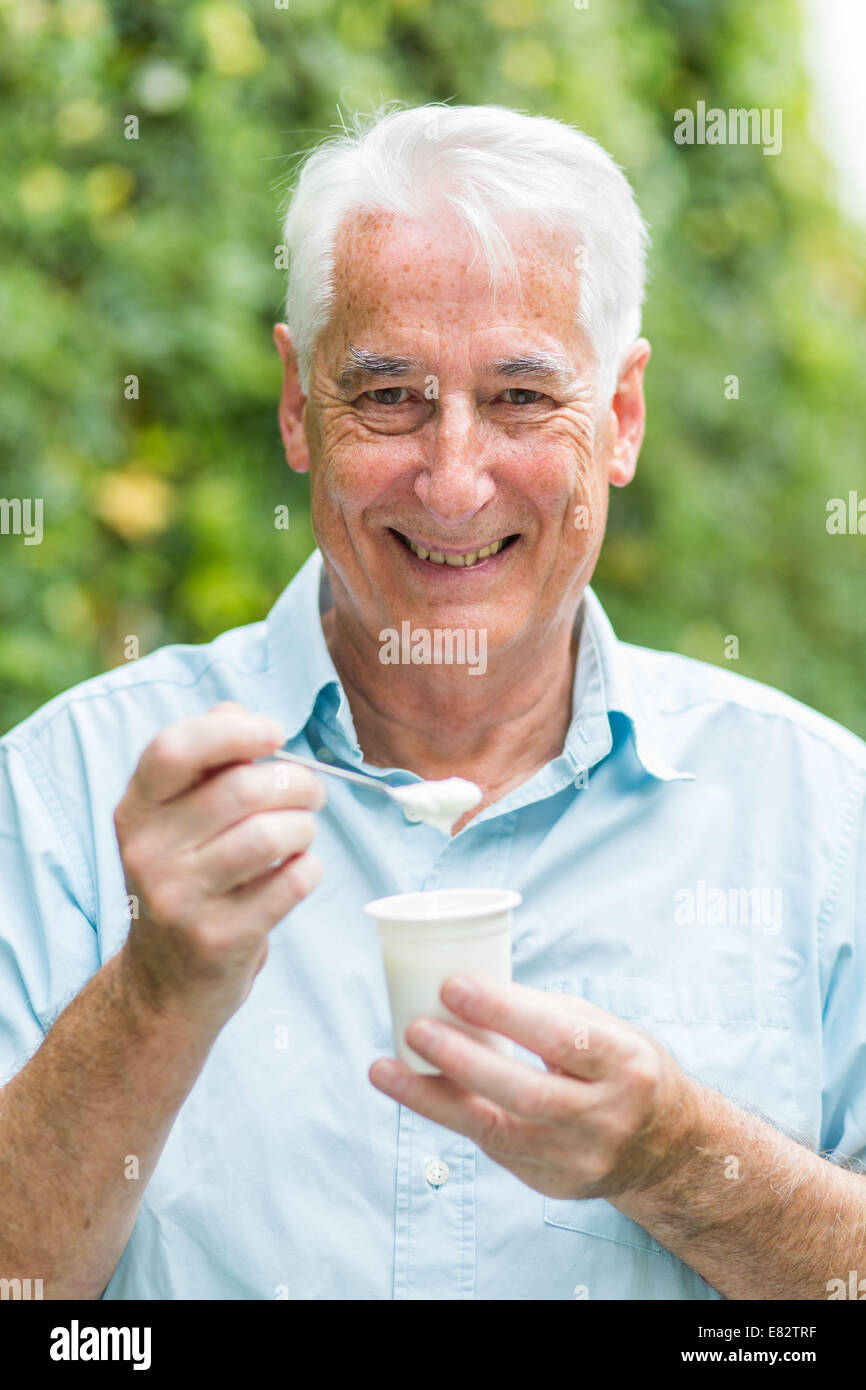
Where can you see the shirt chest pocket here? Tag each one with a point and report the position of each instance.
(735, 1038)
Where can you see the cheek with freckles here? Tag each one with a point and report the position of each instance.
(563, 470)
(349, 468)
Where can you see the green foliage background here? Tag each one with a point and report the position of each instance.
(156, 257)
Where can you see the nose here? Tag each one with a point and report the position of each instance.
(455, 482)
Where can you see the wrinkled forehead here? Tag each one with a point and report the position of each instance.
(393, 273)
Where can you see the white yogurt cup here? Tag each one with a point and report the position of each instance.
(426, 937)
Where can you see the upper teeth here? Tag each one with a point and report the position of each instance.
(470, 557)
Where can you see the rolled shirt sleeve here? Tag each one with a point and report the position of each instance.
(48, 942)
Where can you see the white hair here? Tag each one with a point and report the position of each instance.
(487, 163)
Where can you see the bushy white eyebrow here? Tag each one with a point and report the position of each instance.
(541, 366)
(535, 364)
(361, 363)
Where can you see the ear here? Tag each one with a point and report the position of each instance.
(292, 402)
(628, 414)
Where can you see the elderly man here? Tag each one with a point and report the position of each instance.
(195, 1030)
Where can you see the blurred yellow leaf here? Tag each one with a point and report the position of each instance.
(82, 16)
(79, 121)
(43, 190)
(109, 188)
(231, 40)
(27, 18)
(512, 14)
(134, 503)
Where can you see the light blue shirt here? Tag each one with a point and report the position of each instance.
(690, 862)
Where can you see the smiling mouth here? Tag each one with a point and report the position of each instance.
(464, 559)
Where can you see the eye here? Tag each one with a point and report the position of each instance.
(389, 395)
(522, 396)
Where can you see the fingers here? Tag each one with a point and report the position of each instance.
(183, 753)
(568, 1033)
(514, 1086)
(229, 795)
(214, 838)
(446, 1103)
(252, 847)
(281, 889)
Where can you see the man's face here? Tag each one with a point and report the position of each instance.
(440, 418)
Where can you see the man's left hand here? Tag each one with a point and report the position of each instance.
(608, 1115)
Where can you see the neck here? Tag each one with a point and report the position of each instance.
(496, 729)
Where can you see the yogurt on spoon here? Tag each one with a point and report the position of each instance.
(438, 803)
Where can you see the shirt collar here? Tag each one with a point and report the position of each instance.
(301, 675)
(300, 668)
(607, 682)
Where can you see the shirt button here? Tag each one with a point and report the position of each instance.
(324, 755)
(436, 1171)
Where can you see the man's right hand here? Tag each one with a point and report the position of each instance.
(215, 848)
